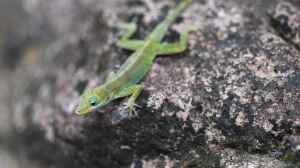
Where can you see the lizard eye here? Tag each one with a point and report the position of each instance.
(93, 101)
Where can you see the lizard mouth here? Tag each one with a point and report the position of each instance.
(80, 112)
(83, 112)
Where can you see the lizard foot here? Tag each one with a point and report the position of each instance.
(131, 109)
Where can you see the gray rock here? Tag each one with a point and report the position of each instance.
(231, 100)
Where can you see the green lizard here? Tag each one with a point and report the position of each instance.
(125, 82)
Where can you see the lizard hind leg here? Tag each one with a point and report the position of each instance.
(177, 47)
(128, 29)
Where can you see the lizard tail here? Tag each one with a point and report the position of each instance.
(162, 28)
(173, 14)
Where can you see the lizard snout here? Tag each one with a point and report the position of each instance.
(77, 110)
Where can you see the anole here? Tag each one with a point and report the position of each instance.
(124, 83)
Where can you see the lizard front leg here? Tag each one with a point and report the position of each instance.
(133, 91)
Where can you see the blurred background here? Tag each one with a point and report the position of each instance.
(20, 41)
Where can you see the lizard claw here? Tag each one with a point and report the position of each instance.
(131, 109)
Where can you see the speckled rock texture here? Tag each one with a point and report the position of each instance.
(231, 100)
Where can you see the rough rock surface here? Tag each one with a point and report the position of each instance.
(231, 100)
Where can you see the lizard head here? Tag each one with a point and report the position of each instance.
(90, 101)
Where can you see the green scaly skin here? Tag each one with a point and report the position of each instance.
(125, 82)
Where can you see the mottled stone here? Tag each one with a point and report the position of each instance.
(231, 100)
